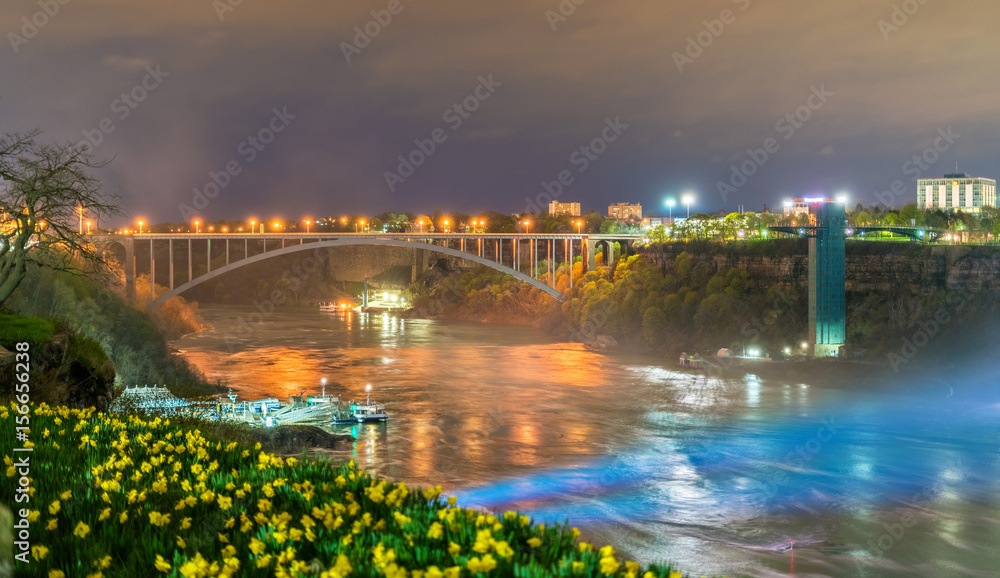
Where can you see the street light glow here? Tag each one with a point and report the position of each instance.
(688, 199)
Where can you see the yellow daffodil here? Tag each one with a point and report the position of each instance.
(481, 566)
(161, 564)
(39, 552)
(81, 530)
(534, 542)
(54, 507)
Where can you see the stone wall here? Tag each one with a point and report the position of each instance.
(868, 267)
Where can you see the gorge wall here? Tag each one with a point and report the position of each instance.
(869, 265)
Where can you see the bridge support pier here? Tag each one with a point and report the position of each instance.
(420, 261)
(129, 267)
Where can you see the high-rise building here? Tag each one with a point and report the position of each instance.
(571, 209)
(625, 212)
(957, 192)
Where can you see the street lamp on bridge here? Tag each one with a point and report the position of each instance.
(197, 227)
(140, 227)
(579, 226)
(670, 205)
(308, 222)
(527, 226)
(253, 225)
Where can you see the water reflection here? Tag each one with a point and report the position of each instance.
(718, 475)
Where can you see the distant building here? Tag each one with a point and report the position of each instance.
(796, 207)
(957, 192)
(650, 222)
(571, 209)
(625, 212)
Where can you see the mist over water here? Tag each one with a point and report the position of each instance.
(718, 476)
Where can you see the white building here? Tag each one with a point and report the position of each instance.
(625, 212)
(957, 192)
(571, 209)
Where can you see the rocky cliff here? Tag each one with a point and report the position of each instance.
(869, 265)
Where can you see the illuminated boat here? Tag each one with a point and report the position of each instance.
(357, 412)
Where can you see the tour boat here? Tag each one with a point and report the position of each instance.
(362, 412)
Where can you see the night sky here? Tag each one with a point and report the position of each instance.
(548, 84)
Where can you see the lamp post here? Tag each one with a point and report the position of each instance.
(88, 227)
(253, 225)
(579, 225)
(140, 227)
(80, 211)
(527, 226)
(670, 205)
(308, 222)
(688, 199)
(197, 229)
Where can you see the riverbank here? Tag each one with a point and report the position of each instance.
(237, 508)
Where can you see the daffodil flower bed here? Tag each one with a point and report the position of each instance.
(127, 496)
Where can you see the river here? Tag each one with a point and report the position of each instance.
(734, 477)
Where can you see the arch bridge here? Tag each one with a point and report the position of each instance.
(518, 255)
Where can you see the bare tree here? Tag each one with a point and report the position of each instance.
(44, 189)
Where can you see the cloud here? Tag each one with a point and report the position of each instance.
(605, 60)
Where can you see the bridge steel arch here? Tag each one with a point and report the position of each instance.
(350, 241)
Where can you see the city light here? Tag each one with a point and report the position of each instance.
(670, 205)
(688, 199)
(527, 226)
(197, 226)
(579, 225)
(140, 227)
(88, 227)
(308, 222)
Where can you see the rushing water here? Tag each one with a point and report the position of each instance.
(718, 476)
